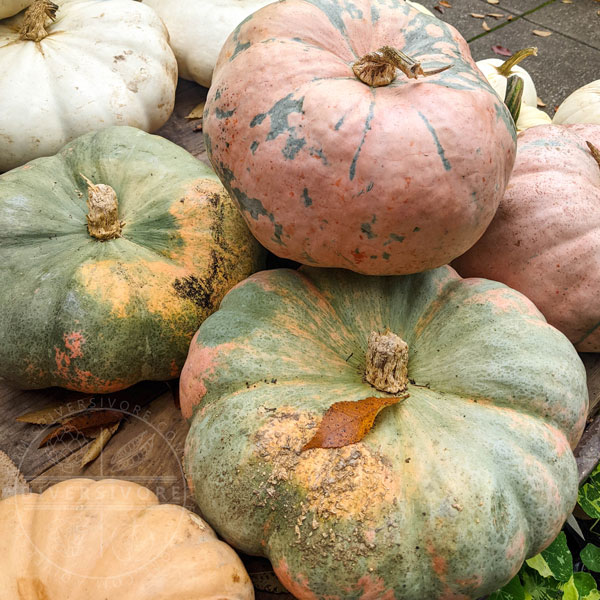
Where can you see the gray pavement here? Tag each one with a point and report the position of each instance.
(567, 59)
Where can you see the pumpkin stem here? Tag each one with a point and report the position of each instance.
(34, 20)
(379, 68)
(506, 67)
(387, 362)
(595, 152)
(103, 211)
(514, 96)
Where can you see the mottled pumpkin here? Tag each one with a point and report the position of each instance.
(109, 540)
(330, 171)
(449, 491)
(545, 238)
(105, 286)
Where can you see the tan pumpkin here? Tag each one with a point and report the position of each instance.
(109, 540)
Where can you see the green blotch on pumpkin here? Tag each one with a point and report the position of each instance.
(385, 256)
(502, 114)
(292, 147)
(307, 199)
(366, 129)
(258, 119)
(374, 14)
(366, 229)
(440, 149)
(279, 114)
(416, 229)
(224, 114)
(339, 123)
(253, 146)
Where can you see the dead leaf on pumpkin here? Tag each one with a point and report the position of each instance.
(85, 424)
(96, 447)
(197, 111)
(346, 423)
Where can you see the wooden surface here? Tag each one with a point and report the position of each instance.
(148, 447)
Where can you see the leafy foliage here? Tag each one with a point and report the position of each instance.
(550, 575)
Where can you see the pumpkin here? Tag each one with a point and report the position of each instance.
(497, 71)
(112, 539)
(420, 7)
(198, 29)
(548, 230)
(530, 116)
(449, 491)
(335, 158)
(91, 64)
(8, 8)
(582, 106)
(98, 297)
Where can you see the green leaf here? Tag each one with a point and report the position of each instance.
(593, 595)
(558, 558)
(540, 588)
(570, 590)
(589, 494)
(513, 590)
(538, 563)
(590, 556)
(585, 584)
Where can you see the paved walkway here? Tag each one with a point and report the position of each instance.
(567, 59)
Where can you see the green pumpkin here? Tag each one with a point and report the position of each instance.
(105, 286)
(450, 490)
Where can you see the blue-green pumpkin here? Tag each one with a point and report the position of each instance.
(450, 490)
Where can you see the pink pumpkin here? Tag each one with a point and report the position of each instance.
(545, 238)
(328, 170)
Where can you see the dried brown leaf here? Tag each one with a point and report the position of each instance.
(541, 33)
(540, 102)
(197, 111)
(83, 423)
(445, 3)
(496, 15)
(509, 18)
(346, 423)
(501, 51)
(46, 416)
(96, 447)
(439, 8)
(477, 16)
(493, 1)
(567, 1)
(486, 26)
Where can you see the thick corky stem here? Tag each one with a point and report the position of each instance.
(34, 20)
(595, 152)
(103, 211)
(506, 67)
(387, 362)
(379, 68)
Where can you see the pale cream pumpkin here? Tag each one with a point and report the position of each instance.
(99, 63)
(8, 8)
(420, 8)
(530, 116)
(582, 106)
(108, 540)
(198, 29)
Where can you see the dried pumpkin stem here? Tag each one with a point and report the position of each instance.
(35, 18)
(103, 211)
(595, 152)
(378, 68)
(387, 362)
(506, 67)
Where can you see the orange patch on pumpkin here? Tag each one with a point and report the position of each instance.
(374, 589)
(73, 343)
(297, 585)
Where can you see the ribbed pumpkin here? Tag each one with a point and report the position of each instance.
(449, 491)
(95, 540)
(545, 238)
(331, 171)
(104, 283)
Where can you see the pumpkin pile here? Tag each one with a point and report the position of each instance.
(376, 423)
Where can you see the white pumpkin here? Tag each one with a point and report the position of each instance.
(111, 539)
(530, 116)
(420, 8)
(582, 106)
(497, 71)
(8, 8)
(198, 29)
(99, 63)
